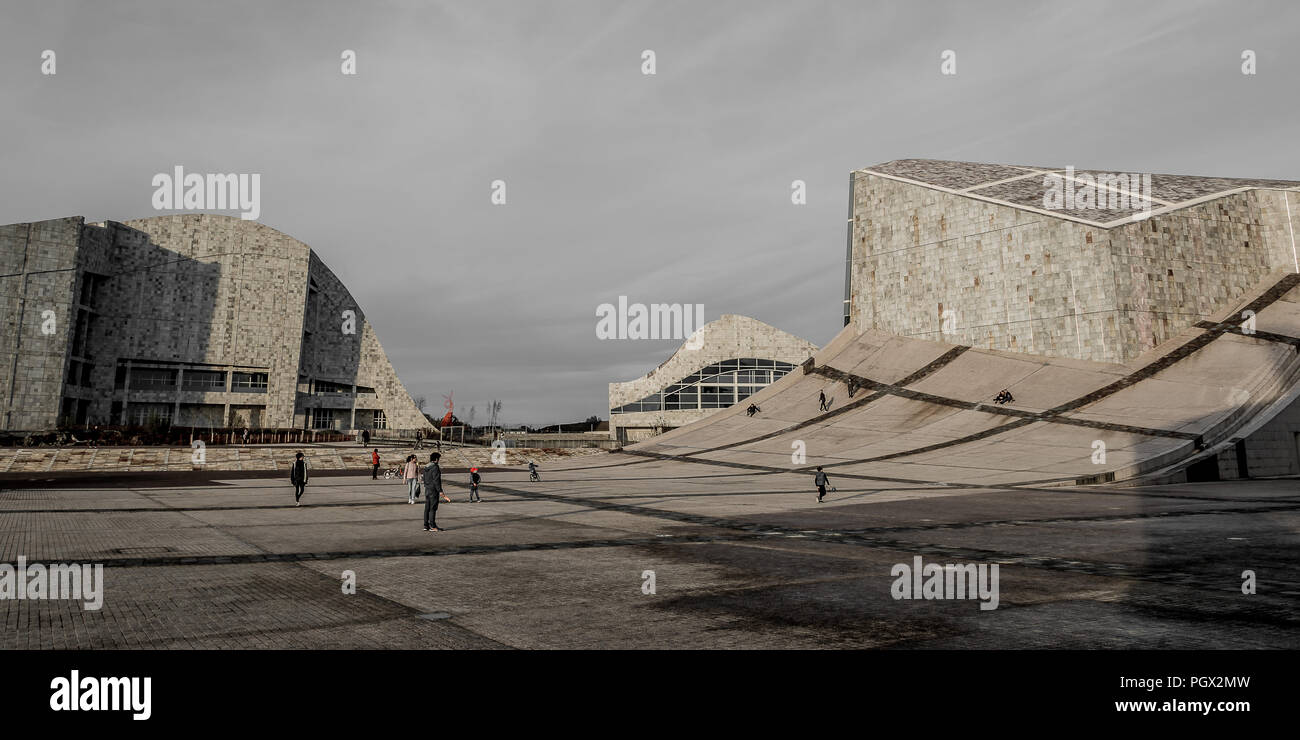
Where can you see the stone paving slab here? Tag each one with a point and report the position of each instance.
(742, 559)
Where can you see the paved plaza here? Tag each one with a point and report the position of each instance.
(740, 559)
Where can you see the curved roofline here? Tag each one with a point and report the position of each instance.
(214, 216)
(720, 319)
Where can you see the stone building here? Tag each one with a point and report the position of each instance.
(723, 363)
(192, 320)
(988, 255)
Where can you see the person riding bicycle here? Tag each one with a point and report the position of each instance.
(532, 471)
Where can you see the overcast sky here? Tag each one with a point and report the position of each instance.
(667, 188)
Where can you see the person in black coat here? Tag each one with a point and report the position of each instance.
(432, 493)
(298, 476)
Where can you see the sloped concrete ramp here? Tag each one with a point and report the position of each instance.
(911, 410)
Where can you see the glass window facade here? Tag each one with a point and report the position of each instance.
(152, 379)
(717, 386)
(323, 418)
(247, 382)
(330, 388)
(149, 413)
(204, 380)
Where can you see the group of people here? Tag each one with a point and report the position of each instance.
(427, 478)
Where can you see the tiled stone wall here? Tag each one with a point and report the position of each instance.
(1010, 279)
(356, 358)
(224, 291)
(38, 261)
(186, 288)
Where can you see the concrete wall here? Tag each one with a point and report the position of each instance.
(1273, 450)
(1021, 281)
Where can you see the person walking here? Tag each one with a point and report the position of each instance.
(473, 486)
(374, 461)
(822, 402)
(298, 476)
(365, 437)
(821, 481)
(412, 476)
(432, 493)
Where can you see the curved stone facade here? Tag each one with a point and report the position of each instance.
(727, 338)
(195, 319)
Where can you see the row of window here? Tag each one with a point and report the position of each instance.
(336, 418)
(717, 386)
(157, 379)
(752, 377)
(199, 415)
(191, 415)
(153, 379)
(330, 388)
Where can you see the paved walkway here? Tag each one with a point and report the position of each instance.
(741, 559)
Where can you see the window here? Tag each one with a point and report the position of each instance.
(689, 399)
(82, 331)
(90, 285)
(152, 379)
(322, 418)
(716, 386)
(248, 383)
(149, 413)
(329, 388)
(204, 380)
(381, 420)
